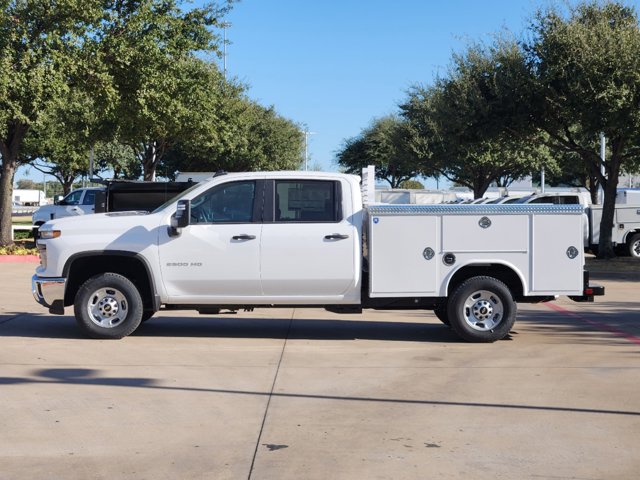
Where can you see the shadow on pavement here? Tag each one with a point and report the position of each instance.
(45, 326)
(90, 377)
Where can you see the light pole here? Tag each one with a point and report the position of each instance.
(224, 26)
(306, 147)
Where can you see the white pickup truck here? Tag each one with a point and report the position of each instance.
(79, 202)
(304, 239)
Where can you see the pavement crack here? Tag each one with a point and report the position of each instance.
(273, 386)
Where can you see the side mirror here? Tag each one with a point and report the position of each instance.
(181, 218)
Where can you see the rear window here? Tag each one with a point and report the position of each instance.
(307, 201)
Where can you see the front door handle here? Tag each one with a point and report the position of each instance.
(243, 237)
(335, 236)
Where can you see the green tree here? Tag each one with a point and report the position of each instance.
(59, 143)
(386, 145)
(26, 184)
(41, 46)
(244, 136)
(119, 158)
(471, 125)
(587, 72)
(150, 53)
(412, 185)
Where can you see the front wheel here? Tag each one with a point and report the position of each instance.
(108, 306)
(634, 245)
(482, 309)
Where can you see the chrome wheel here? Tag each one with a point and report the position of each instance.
(634, 246)
(108, 307)
(483, 310)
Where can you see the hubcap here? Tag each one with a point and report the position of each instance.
(636, 248)
(483, 310)
(107, 307)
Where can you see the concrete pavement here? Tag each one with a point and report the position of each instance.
(291, 394)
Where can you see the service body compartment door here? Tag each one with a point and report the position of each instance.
(558, 254)
(403, 255)
(485, 233)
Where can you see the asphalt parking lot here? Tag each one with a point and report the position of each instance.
(305, 394)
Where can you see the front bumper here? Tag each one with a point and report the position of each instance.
(49, 292)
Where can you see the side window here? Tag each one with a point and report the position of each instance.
(542, 200)
(73, 198)
(226, 203)
(89, 197)
(307, 201)
(568, 200)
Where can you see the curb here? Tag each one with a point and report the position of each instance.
(19, 259)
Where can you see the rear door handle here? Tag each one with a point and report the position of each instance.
(335, 236)
(243, 237)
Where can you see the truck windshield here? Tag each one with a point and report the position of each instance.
(175, 198)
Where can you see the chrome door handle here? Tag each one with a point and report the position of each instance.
(335, 236)
(243, 237)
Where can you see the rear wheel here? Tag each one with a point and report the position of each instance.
(482, 309)
(108, 306)
(441, 313)
(634, 245)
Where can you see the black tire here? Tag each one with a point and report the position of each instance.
(633, 245)
(441, 313)
(482, 310)
(108, 306)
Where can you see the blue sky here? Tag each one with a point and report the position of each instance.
(336, 65)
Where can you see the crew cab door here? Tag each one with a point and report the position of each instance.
(308, 248)
(217, 255)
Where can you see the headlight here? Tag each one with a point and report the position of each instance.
(49, 234)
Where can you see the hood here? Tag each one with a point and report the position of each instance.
(103, 222)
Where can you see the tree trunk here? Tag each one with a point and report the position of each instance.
(9, 148)
(480, 186)
(605, 247)
(150, 162)
(67, 185)
(6, 193)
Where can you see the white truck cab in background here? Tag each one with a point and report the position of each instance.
(77, 202)
(305, 239)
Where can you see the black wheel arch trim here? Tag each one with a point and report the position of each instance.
(155, 298)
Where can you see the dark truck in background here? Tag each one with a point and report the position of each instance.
(130, 195)
(113, 196)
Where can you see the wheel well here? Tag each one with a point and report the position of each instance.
(80, 269)
(500, 272)
(630, 235)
